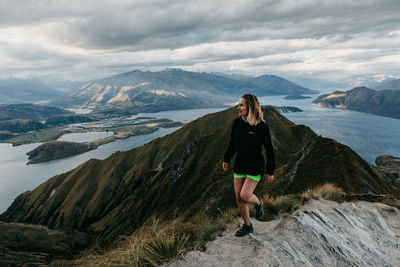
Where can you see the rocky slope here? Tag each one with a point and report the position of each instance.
(173, 89)
(180, 175)
(383, 103)
(320, 233)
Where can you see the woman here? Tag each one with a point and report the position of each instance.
(249, 134)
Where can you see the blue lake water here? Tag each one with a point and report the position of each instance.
(369, 135)
(16, 177)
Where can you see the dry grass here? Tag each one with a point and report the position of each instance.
(326, 191)
(279, 205)
(203, 229)
(161, 242)
(150, 245)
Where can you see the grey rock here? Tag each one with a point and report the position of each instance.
(321, 233)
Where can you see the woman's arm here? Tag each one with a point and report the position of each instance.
(231, 149)
(270, 165)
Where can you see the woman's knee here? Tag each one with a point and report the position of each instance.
(245, 196)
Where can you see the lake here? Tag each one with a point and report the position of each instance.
(369, 135)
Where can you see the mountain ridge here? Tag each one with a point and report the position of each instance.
(15, 90)
(389, 85)
(384, 103)
(174, 89)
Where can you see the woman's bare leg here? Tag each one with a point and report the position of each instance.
(247, 196)
(242, 205)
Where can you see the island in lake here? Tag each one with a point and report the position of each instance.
(287, 109)
(122, 129)
(296, 97)
(29, 123)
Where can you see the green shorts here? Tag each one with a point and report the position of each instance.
(254, 177)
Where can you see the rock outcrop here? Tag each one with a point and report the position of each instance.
(321, 233)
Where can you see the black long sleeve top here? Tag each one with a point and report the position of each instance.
(247, 141)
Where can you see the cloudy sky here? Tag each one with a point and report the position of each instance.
(307, 41)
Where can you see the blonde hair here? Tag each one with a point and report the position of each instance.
(254, 115)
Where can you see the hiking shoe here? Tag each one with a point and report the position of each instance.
(260, 211)
(245, 230)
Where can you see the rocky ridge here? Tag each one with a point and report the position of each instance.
(320, 233)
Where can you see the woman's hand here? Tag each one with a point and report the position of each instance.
(269, 178)
(224, 166)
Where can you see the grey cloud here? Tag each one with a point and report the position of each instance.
(172, 24)
(107, 30)
(182, 25)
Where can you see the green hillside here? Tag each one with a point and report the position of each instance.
(180, 175)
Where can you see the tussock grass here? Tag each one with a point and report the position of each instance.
(164, 248)
(202, 229)
(277, 205)
(158, 242)
(152, 244)
(326, 191)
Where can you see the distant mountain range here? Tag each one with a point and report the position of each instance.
(15, 90)
(383, 102)
(178, 176)
(140, 91)
(389, 85)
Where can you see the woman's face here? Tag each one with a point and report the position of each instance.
(242, 107)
